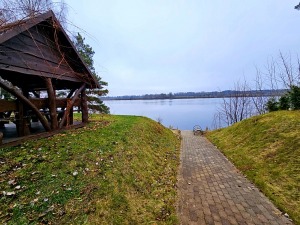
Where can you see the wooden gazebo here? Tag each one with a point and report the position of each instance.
(37, 58)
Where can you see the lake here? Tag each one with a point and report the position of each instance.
(182, 114)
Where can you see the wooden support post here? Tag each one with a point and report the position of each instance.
(70, 105)
(71, 116)
(52, 104)
(27, 122)
(21, 121)
(84, 107)
(60, 115)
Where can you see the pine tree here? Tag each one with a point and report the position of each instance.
(86, 52)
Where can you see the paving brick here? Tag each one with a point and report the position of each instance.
(209, 220)
(225, 222)
(232, 220)
(206, 211)
(193, 215)
(213, 192)
(218, 223)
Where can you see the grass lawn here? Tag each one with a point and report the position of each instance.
(267, 150)
(116, 170)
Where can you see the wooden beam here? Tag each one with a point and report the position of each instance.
(70, 76)
(70, 105)
(6, 105)
(42, 103)
(52, 104)
(14, 91)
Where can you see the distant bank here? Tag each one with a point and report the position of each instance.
(213, 94)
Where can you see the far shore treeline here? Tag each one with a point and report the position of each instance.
(213, 94)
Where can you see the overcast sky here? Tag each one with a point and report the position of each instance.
(162, 46)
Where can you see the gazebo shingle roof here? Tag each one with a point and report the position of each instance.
(39, 47)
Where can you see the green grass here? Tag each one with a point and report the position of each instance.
(267, 150)
(116, 170)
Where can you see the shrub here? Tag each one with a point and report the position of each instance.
(294, 95)
(284, 102)
(291, 100)
(272, 105)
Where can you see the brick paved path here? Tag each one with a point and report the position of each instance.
(212, 191)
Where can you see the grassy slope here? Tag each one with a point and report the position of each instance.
(267, 149)
(126, 167)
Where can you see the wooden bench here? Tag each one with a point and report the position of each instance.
(197, 130)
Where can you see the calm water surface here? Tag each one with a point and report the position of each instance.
(177, 113)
